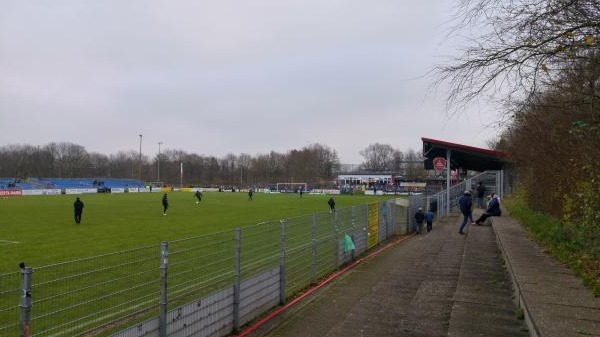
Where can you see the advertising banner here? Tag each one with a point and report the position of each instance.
(52, 191)
(80, 190)
(11, 193)
(373, 219)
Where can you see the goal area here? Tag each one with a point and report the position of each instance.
(291, 187)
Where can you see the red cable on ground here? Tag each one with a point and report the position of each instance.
(335, 275)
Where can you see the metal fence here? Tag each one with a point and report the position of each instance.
(209, 285)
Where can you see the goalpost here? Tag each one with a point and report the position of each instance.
(291, 187)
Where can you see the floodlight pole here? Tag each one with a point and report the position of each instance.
(448, 171)
(140, 172)
(158, 164)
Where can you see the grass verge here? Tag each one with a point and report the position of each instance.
(559, 241)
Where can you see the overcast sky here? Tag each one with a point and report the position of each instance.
(222, 76)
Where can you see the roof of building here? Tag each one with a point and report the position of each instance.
(462, 156)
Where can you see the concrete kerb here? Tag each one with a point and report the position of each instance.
(518, 297)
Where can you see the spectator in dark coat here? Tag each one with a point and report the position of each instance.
(466, 204)
(480, 195)
(419, 218)
(78, 208)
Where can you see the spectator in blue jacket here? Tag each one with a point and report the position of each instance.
(419, 218)
(429, 219)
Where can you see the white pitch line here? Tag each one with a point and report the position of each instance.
(8, 242)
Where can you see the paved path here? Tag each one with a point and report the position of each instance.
(556, 303)
(446, 284)
(437, 284)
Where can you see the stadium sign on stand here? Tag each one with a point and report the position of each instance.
(439, 164)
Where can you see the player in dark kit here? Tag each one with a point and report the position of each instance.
(331, 204)
(198, 196)
(78, 208)
(165, 203)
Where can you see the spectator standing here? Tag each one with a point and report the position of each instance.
(419, 218)
(480, 195)
(465, 203)
(429, 218)
(78, 208)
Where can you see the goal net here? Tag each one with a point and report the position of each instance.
(291, 187)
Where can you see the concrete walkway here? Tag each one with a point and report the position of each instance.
(447, 284)
(556, 303)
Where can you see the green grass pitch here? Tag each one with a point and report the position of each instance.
(40, 230)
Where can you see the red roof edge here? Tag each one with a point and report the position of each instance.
(463, 147)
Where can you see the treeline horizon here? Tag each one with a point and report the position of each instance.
(316, 164)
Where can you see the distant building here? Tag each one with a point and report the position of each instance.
(364, 178)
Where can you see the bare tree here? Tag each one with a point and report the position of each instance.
(315, 164)
(247, 177)
(123, 164)
(523, 48)
(327, 160)
(98, 164)
(398, 159)
(70, 160)
(378, 157)
(413, 166)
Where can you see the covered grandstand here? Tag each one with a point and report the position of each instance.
(89, 185)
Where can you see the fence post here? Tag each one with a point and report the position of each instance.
(409, 212)
(390, 219)
(353, 224)
(366, 227)
(237, 279)
(384, 213)
(282, 264)
(25, 305)
(162, 315)
(336, 236)
(500, 183)
(314, 249)
(440, 212)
